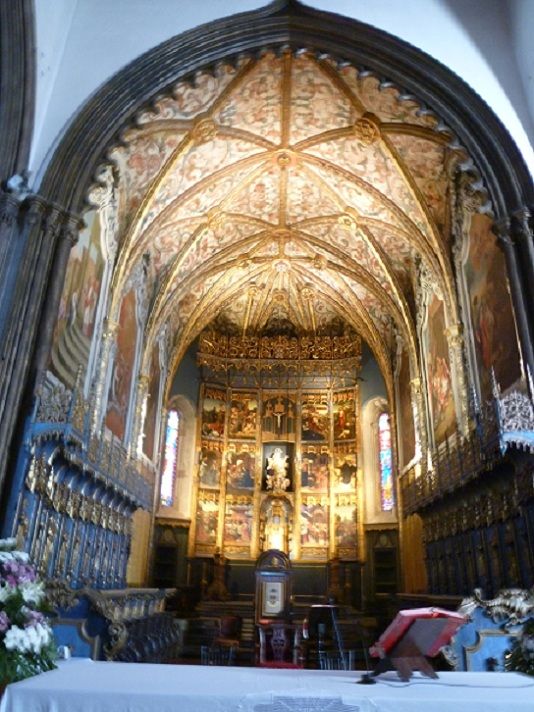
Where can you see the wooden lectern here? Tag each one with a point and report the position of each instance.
(413, 636)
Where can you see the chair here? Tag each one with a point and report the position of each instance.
(229, 633)
(333, 660)
(218, 654)
(280, 645)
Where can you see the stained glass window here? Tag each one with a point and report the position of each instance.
(386, 473)
(166, 493)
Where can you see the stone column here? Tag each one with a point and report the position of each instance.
(524, 242)
(140, 413)
(418, 417)
(10, 246)
(520, 291)
(455, 342)
(27, 287)
(107, 343)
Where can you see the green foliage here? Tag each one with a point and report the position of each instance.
(521, 657)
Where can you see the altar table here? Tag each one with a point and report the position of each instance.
(81, 685)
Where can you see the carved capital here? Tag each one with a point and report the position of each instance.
(521, 223)
(35, 209)
(502, 228)
(9, 209)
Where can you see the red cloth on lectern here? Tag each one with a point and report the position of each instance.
(406, 618)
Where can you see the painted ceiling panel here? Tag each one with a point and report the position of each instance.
(316, 103)
(256, 105)
(285, 190)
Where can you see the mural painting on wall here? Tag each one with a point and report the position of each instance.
(406, 410)
(314, 521)
(492, 318)
(123, 365)
(315, 420)
(152, 405)
(344, 415)
(278, 419)
(345, 467)
(439, 372)
(243, 416)
(210, 464)
(213, 413)
(77, 308)
(238, 520)
(206, 518)
(315, 463)
(345, 522)
(240, 465)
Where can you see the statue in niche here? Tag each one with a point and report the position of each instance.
(275, 525)
(277, 471)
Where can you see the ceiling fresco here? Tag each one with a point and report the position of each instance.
(285, 189)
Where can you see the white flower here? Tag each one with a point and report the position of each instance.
(27, 640)
(32, 592)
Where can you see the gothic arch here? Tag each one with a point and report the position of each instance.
(494, 165)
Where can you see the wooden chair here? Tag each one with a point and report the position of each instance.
(229, 632)
(218, 654)
(280, 645)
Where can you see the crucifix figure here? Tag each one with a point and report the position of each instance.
(279, 412)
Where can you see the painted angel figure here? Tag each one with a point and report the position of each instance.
(277, 470)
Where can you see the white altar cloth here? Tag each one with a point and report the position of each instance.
(81, 685)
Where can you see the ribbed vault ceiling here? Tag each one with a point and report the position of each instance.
(285, 190)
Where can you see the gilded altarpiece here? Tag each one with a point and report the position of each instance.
(277, 469)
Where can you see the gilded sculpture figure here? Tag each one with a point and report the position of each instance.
(277, 471)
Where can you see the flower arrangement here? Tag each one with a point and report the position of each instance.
(26, 642)
(521, 657)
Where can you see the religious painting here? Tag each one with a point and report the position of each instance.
(77, 308)
(406, 410)
(345, 467)
(314, 521)
(213, 413)
(315, 417)
(315, 465)
(240, 465)
(243, 416)
(439, 372)
(210, 463)
(277, 471)
(207, 518)
(152, 405)
(494, 332)
(278, 419)
(345, 522)
(344, 415)
(122, 374)
(238, 520)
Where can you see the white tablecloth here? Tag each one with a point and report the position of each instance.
(86, 686)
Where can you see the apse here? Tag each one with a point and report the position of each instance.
(289, 264)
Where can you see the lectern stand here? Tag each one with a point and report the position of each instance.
(412, 637)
